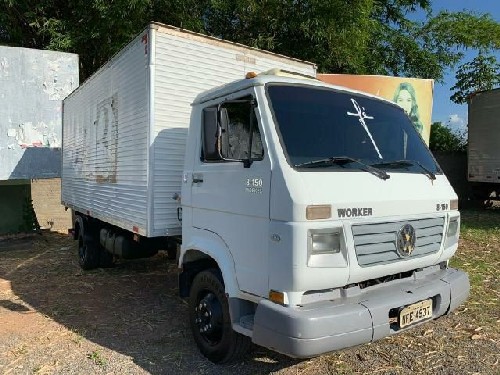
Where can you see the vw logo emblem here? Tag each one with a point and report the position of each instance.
(405, 240)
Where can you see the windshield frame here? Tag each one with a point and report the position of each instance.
(337, 168)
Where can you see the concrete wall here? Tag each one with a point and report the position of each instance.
(16, 214)
(14, 201)
(33, 84)
(46, 195)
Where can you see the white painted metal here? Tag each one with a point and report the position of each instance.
(125, 128)
(105, 142)
(33, 84)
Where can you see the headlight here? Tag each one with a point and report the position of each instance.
(324, 241)
(452, 232)
(452, 227)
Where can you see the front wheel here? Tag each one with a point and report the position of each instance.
(210, 321)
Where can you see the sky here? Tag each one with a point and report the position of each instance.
(444, 110)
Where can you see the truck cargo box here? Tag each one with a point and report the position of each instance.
(125, 127)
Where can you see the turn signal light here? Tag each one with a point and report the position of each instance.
(454, 204)
(317, 212)
(277, 297)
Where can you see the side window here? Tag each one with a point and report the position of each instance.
(238, 137)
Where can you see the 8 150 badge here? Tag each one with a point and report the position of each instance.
(254, 185)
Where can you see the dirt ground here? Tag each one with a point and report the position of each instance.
(58, 319)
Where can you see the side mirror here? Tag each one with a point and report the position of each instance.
(211, 135)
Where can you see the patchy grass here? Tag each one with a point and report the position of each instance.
(96, 357)
(479, 256)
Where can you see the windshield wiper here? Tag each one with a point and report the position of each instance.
(407, 163)
(342, 160)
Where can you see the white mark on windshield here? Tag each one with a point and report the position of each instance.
(362, 116)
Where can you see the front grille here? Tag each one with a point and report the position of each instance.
(376, 243)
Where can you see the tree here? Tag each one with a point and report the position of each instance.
(482, 73)
(332, 33)
(94, 29)
(464, 30)
(340, 36)
(442, 138)
(358, 37)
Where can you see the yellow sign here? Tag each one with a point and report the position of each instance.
(414, 95)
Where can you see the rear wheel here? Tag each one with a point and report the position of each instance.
(88, 252)
(210, 321)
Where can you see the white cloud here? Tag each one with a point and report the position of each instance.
(456, 120)
(457, 124)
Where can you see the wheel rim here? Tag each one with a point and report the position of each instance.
(208, 317)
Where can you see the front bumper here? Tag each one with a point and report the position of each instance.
(325, 326)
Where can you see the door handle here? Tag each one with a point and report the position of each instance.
(197, 178)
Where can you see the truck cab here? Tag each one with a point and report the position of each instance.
(314, 218)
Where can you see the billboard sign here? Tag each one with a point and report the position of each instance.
(414, 95)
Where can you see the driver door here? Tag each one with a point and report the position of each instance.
(231, 194)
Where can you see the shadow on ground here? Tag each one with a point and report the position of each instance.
(132, 309)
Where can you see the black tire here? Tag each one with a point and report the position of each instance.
(78, 227)
(88, 252)
(210, 321)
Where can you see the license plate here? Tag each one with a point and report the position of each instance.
(415, 313)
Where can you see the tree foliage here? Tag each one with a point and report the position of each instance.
(94, 29)
(482, 73)
(332, 33)
(479, 32)
(340, 36)
(442, 138)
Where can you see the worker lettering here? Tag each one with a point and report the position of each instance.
(355, 212)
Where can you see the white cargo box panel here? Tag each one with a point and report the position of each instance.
(484, 137)
(33, 84)
(125, 128)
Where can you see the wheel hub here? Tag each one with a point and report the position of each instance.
(208, 317)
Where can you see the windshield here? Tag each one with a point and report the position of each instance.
(316, 123)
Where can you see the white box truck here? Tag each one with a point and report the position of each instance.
(310, 217)
(483, 156)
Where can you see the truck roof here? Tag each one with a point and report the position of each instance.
(263, 79)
